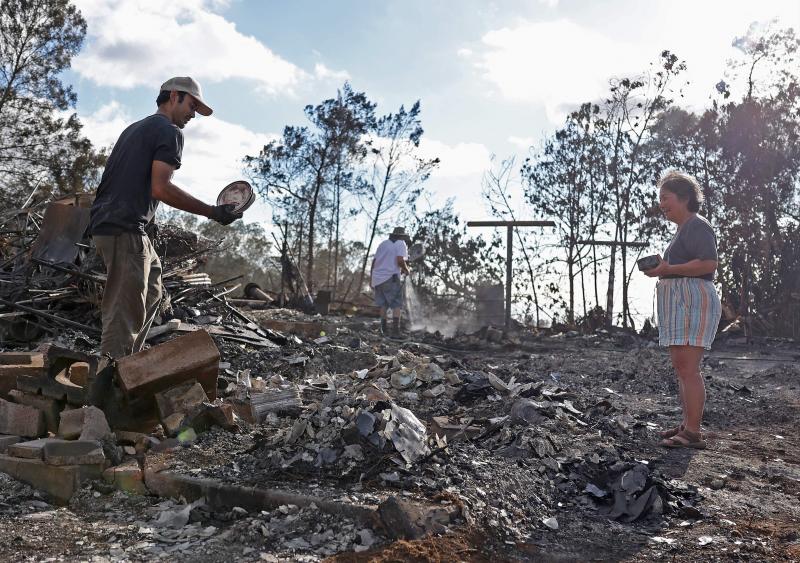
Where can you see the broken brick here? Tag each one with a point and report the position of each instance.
(60, 482)
(127, 477)
(32, 449)
(87, 423)
(6, 441)
(15, 364)
(182, 398)
(73, 452)
(21, 420)
(50, 407)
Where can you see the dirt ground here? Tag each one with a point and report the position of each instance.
(739, 499)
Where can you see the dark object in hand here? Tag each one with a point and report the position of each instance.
(224, 214)
(648, 262)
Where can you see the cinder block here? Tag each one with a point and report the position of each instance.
(77, 452)
(6, 441)
(50, 407)
(21, 420)
(30, 450)
(60, 482)
(194, 356)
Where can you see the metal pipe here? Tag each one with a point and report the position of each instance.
(49, 316)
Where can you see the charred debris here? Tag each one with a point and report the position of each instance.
(239, 406)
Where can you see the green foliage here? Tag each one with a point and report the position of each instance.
(41, 146)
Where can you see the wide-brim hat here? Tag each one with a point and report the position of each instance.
(190, 86)
(400, 232)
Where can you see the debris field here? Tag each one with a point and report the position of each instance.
(270, 434)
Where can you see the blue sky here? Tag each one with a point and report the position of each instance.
(493, 77)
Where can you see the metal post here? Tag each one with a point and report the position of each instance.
(509, 252)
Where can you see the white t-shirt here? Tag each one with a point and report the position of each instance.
(386, 260)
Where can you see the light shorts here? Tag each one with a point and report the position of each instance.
(688, 312)
(389, 294)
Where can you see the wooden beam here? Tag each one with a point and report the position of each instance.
(634, 244)
(511, 224)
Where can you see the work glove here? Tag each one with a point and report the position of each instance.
(223, 214)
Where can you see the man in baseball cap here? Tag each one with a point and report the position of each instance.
(137, 176)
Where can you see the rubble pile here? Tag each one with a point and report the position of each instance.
(298, 436)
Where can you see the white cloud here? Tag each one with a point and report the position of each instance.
(212, 154)
(556, 63)
(142, 43)
(561, 63)
(459, 160)
(322, 72)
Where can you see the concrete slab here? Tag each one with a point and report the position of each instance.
(21, 420)
(60, 482)
(31, 449)
(73, 452)
(6, 441)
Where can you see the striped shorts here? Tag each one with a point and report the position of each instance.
(688, 312)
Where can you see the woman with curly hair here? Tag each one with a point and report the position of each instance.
(688, 305)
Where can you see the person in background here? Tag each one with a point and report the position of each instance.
(137, 176)
(689, 308)
(390, 261)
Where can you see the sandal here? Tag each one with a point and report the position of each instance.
(671, 432)
(685, 439)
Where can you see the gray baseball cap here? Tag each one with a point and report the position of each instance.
(190, 86)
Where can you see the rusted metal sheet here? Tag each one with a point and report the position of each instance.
(62, 228)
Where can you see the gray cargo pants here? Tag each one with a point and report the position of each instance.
(133, 287)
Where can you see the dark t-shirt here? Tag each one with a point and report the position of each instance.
(695, 240)
(124, 203)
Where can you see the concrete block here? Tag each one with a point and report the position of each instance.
(194, 356)
(50, 407)
(73, 453)
(182, 398)
(86, 423)
(127, 477)
(6, 441)
(60, 482)
(21, 420)
(30, 450)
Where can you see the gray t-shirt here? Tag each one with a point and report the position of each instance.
(124, 202)
(695, 240)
